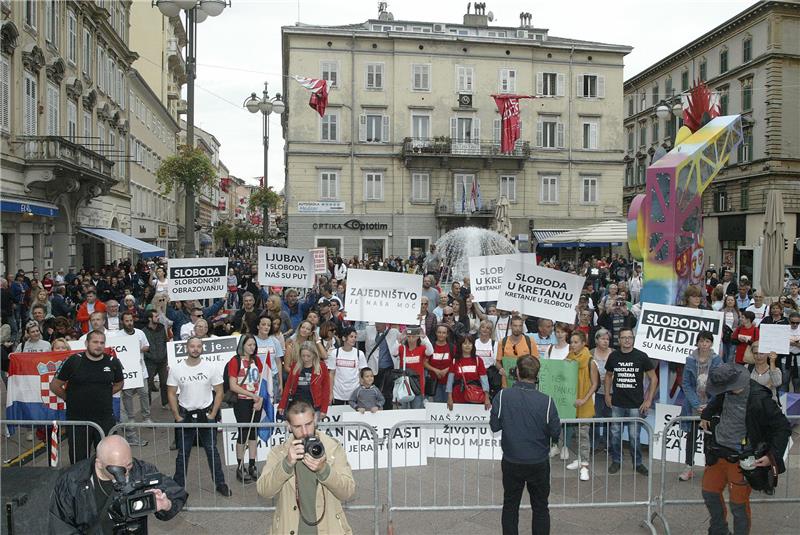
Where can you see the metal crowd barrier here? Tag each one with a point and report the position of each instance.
(673, 491)
(454, 475)
(35, 443)
(160, 451)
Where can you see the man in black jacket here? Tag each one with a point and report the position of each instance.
(82, 494)
(156, 358)
(529, 421)
(748, 442)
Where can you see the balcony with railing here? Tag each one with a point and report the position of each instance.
(458, 207)
(48, 158)
(418, 152)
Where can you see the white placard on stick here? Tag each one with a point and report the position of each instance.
(676, 438)
(486, 273)
(455, 438)
(217, 350)
(126, 347)
(668, 332)
(285, 267)
(773, 338)
(320, 255)
(541, 292)
(197, 278)
(383, 296)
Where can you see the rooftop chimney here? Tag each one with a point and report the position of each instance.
(383, 13)
(479, 18)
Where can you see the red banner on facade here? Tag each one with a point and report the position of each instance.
(508, 106)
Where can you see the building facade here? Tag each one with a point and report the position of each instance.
(63, 131)
(753, 62)
(411, 126)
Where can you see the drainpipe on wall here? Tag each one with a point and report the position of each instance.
(570, 81)
(353, 131)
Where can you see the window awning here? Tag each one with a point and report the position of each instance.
(605, 234)
(205, 239)
(541, 235)
(145, 249)
(14, 206)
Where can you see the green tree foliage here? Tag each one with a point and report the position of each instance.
(190, 167)
(263, 198)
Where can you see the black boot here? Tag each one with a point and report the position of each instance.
(242, 474)
(253, 471)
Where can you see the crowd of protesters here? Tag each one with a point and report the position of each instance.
(453, 355)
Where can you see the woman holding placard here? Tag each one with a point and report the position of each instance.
(588, 381)
(765, 371)
(695, 375)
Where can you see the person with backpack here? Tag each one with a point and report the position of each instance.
(467, 381)
(242, 378)
(515, 346)
(413, 356)
(344, 364)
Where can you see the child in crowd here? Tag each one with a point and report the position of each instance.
(367, 397)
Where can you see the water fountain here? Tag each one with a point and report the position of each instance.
(456, 246)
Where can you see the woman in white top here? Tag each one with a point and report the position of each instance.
(475, 315)
(485, 347)
(201, 329)
(344, 365)
(160, 281)
(765, 371)
(340, 269)
(560, 349)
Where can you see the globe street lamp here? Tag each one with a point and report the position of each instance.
(667, 110)
(266, 105)
(196, 12)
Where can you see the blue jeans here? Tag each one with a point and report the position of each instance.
(441, 394)
(633, 435)
(185, 439)
(601, 410)
(416, 403)
(730, 353)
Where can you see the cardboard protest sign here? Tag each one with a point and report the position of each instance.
(667, 332)
(383, 296)
(676, 439)
(285, 267)
(126, 347)
(456, 439)
(320, 255)
(407, 442)
(559, 380)
(773, 338)
(196, 278)
(486, 273)
(217, 350)
(508, 363)
(279, 434)
(541, 292)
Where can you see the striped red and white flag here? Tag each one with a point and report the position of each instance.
(319, 92)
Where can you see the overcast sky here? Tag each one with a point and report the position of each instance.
(241, 49)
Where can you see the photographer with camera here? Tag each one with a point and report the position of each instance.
(112, 493)
(748, 437)
(311, 477)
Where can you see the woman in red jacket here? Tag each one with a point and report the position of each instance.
(308, 380)
(467, 371)
(744, 335)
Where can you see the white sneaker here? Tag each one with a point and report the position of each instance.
(574, 465)
(564, 453)
(147, 421)
(29, 436)
(553, 451)
(584, 473)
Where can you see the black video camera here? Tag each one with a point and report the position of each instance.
(131, 501)
(313, 446)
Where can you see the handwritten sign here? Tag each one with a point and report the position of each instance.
(559, 380)
(320, 256)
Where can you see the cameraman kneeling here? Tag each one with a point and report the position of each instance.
(90, 496)
(746, 446)
(311, 477)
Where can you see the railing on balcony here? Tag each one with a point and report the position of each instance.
(455, 207)
(43, 149)
(445, 146)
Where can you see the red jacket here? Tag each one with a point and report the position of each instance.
(320, 387)
(83, 314)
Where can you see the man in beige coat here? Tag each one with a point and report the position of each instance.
(314, 505)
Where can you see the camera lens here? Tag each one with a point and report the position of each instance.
(315, 450)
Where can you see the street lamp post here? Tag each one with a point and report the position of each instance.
(666, 110)
(196, 12)
(266, 105)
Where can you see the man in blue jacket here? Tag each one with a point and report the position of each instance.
(529, 421)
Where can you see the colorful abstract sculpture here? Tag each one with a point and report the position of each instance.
(665, 224)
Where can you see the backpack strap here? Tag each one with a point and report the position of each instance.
(528, 341)
(503, 346)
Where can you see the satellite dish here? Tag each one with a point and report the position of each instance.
(491, 16)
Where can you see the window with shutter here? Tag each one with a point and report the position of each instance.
(421, 77)
(328, 185)
(549, 84)
(590, 133)
(5, 94)
(560, 135)
(87, 52)
(373, 186)
(589, 194)
(464, 79)
(330, 127)
(508, 188)
(72, 37)
(72, 120)
(330, 72)
(53, 97)
(508, 80)
(549, 190)
(374, 75)
(101, 141)
(420, 187)
(87, 126)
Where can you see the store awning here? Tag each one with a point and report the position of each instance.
(28, 207)
(145, 249)
(541, 235)
(205, 240)
(605, 234)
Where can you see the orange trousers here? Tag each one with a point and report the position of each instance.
(716, 478)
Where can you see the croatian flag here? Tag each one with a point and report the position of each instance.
(29, 395)
(479, 200)
(265, 392)
(319, 93)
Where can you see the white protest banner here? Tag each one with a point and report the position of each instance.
(667, 332)
(285, 267)
(407, 447)
(675, 438)
(773, 338)
(541, 292)
(383, 296)
(278, 435)
(320, 255)
(217, 350)
(456, 439)
(127, 350)
(196, 278)
(486, 273)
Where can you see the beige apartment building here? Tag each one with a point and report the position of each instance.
(753, 62)
(63, 132)
(411, 126)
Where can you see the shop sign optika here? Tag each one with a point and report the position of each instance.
(351, 224)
